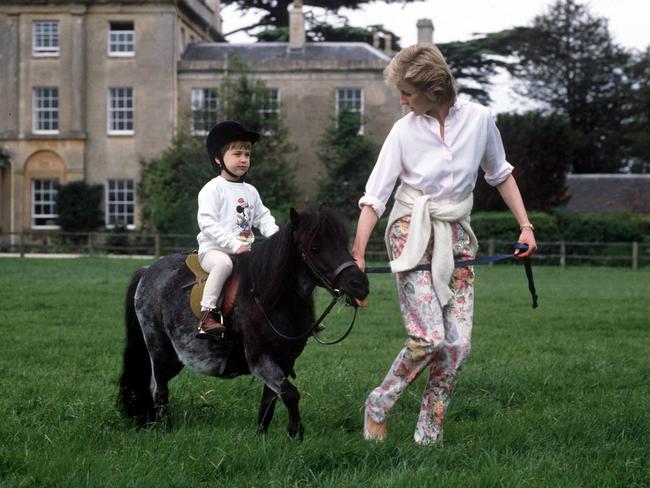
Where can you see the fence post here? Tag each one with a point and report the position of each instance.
(562, 254)
(90, 244)
(156, 240)
(491, 249)
(635, 255)
(21, 245)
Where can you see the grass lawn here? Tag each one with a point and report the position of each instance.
(553, 397)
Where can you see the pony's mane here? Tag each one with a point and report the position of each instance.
(271, 267)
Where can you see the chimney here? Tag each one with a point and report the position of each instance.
(388, 44)
(425, 31)
(296, 26)
(376, 40)
(215, 6)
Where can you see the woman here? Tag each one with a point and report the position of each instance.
(435, 151)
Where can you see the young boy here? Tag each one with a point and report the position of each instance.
(228, 209)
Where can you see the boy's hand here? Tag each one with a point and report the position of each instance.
(243, 249)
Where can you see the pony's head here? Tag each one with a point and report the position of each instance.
(322, 241)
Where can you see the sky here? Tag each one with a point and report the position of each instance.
(458, 20)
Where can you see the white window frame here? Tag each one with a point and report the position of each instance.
(51, 193)
(199, 107)
(270, 110)
(41, 95)
(52, 37)
(343, 100)
(114, 96)
(117, 192)
(114, 41)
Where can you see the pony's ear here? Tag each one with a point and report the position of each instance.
(323, 205)
(294, 216)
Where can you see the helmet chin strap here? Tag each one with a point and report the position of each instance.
(239, 179)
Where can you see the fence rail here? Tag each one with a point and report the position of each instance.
(562, 253)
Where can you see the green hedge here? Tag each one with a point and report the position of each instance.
(502, 226)
(618, 227)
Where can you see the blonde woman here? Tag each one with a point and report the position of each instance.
(435, 151)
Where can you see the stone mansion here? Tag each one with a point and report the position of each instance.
(89, 88)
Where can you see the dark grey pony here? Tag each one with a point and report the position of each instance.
(276, 281)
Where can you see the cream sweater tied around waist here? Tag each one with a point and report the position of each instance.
(426, 216)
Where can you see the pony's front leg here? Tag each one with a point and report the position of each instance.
(272, 375)
(267, 408)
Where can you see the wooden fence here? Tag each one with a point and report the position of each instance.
(633, 254)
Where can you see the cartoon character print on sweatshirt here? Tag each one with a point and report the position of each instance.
(244, 221)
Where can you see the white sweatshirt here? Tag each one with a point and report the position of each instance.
(228, 211)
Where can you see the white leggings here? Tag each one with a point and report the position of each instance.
(219, 266)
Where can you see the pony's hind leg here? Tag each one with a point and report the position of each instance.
(267, 408)
(164, 366)
(273, 377)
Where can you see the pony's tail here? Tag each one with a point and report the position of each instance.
(134, 397)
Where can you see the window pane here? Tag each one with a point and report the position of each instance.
(120, 204)
(46, 109)
(205, 106)
(45, 37)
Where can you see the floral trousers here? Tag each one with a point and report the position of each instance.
(438, 338)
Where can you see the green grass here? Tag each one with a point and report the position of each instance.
(553, 397)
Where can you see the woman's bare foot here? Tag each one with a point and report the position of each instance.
(373, 431)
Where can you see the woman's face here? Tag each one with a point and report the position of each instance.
(414, 99)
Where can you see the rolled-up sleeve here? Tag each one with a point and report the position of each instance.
(384, 175)
(494, 163)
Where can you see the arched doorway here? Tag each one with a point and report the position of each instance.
(44, 173)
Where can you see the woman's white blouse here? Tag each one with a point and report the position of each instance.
(445, 169)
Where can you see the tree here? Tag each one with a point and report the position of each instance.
(348, 157)
(570, 63)
(539, 147)
(640, 124)
(79, 207)
(170, 185)
(275, 13)
(323, 32)
(243, 99)
(172, 181)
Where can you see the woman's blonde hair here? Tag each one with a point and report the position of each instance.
(425, 67)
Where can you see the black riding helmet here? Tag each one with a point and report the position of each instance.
(224, 133)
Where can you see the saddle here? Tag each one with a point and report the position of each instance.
(227, 300)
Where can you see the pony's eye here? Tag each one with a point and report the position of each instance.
(314, 249)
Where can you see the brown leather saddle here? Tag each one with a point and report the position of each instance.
(226, 302)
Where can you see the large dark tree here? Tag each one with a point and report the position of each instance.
(571, 64)
(640, 124)
(539, 147)
(275, 13)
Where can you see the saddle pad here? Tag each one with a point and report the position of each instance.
(192, 262)
(228, 296)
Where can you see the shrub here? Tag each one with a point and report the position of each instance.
(79, 207)
(618, 227)
(502, 226)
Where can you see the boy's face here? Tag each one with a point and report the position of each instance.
(237, 159)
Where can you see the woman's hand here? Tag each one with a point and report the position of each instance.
(360, 260)
(527, 236)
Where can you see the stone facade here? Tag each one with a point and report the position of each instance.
(82, 70)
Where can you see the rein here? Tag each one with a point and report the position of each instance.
(461, 263)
